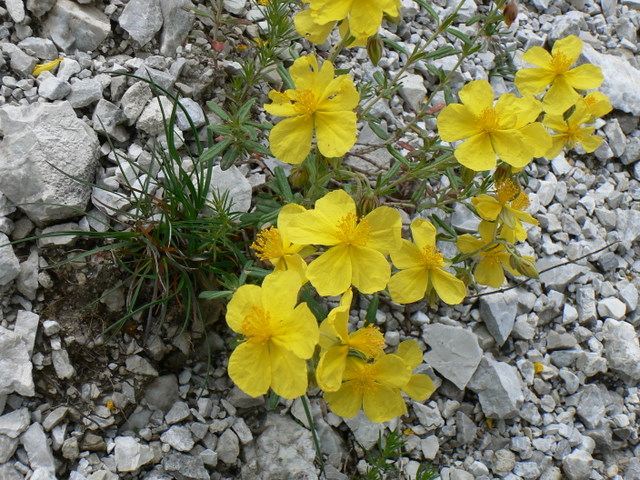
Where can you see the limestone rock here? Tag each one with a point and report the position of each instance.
(40, 142)
(142, 19)
(185, 467)
(9, 263)
(622, 349)
(499, 314)
(130, 455)
(38, 449)
(177, 24)
(499, 388)
(15, 365)
(233, 183)
(89, 24)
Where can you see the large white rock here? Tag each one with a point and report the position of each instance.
(177, 24)
(89, 26)
(142, 19)
(15, 365)
(499, 388)
(9, 263)
(622, 349)
(234, 184)
(130, 455)
(38, 449)
(41, 141)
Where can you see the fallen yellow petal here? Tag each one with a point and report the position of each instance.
(43, 67)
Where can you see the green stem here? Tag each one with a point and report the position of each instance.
(314, 433)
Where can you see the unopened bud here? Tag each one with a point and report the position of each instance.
(510, 13)
(299, 176)
(375, 48)
(368, 203)
(524, 265)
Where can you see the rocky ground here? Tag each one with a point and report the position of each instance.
(555, 362)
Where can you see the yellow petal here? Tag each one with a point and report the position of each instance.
(336, 205)
(467, 243)
(309, 29)
(339, 95)
(307, 75)
(537, 138)
(325, 11)
(531, 81)
(281, 104)
(585, 77)
(331, 367)
(243, 299)
(477, 153)
(331, 272)
(390, 370)
(383, 403)
(420, 387)
(288, 373)
(407, 256)
(370, 270)
(338, 317)
(570, 47)
(487, 206)
(598, 104)
(457, 122)
(424, 233)
(386, 228)
(290, 140)
(511, 147)
(589, 142)
(346, 402)
(450, 289)
(477, 95)
(250, 368)
(43, 67)
(410, 352)
(312, 227)
(559, 97)
(489, 272)
(364, 18)
(335, 132)
(408, 286)
(538, 56)
(280, 293)
(298, 333)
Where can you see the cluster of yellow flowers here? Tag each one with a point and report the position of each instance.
(509, 130)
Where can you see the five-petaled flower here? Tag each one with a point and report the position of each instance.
(337, 343)
(318, 102)
(507, 130)
(555, 69)
(373, 386)
(572, 131)
(421, 269)
(357, 246)
(277, 336)
(420, 386)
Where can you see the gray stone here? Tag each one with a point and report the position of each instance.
(152, 118)
(591, 405)
(430, 447)
(455, 352)
(31, 173)
(621, 348)
(591, 363)
(413, 90)
(177, 24)
(108, 202)
(12, 424)
(26, 327)
(464, 219)
(234, 184)
(55, 417)
(141, 366)
(107, 119)
(586, 304)
(9, 263)
(365, 432)
(466, 429)
(59, 235)
(85, 92)
(503, 462)
(629, 295)
(8, 447)
(15, 365)
(158, 77)
(162, 392)
(499, 313)
(134, 100)
(611, 307)
(89, 24)
(184, 467)
(70, 449)
(577, 465)
(429, 417)
(558, 278)
(16, 10)
(194, 111)
(21, 63)
(40, 7)
(244, 433)
(617, 139)
(499, 388)
(228, 447)
(42, 48)
(61, 364)
(527, 470)
(284, 451)
(37, 446)
(53, 88)
(179, 411)
(235, 7)
(571, 381)
(179, 437)
(130, 454)
(142, 19)
(67, 68)
(557, 341)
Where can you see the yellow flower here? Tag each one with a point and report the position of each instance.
(419, 387)
(364, 16)
(43, 67)
(421, 269)
(337, 343)
(506, 130)
(358, 246)
(278, 337)
(554, 69)
(507, 207)
(598, 104)
(493, 260)
(373, 386)
(272, 246)
(318, 102)
(570, 131)
(308, 28)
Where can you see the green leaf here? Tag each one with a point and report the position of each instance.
(395, 46)
(243, 112)
(378, 131)
(210, 153)
(215, 108)
(372, 310)
(442, 224)
(282, 184)
(318, 310)
(214, 295)
(229, 157)
(441, 52)
(457, 33)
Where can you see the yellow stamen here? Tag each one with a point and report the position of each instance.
(488, 119)
(366, 383)
(560, 63)
(368, 340)
(507, 191)
(268, 244)
(304, 102)
(521, 202)
(431, 257)
(352, 232)
(256, 326)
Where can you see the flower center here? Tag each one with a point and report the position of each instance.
(431, 257)
(560, 63)
(521, 202)
(256, 326)
(304, 102)
(488, 119)
(268, 244)
(351, 232)
(366, 382)
(368, 340)
(507, 191)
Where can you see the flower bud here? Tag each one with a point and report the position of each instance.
(525, 265)
(510, 12)
(368, 203)
(375, 48)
